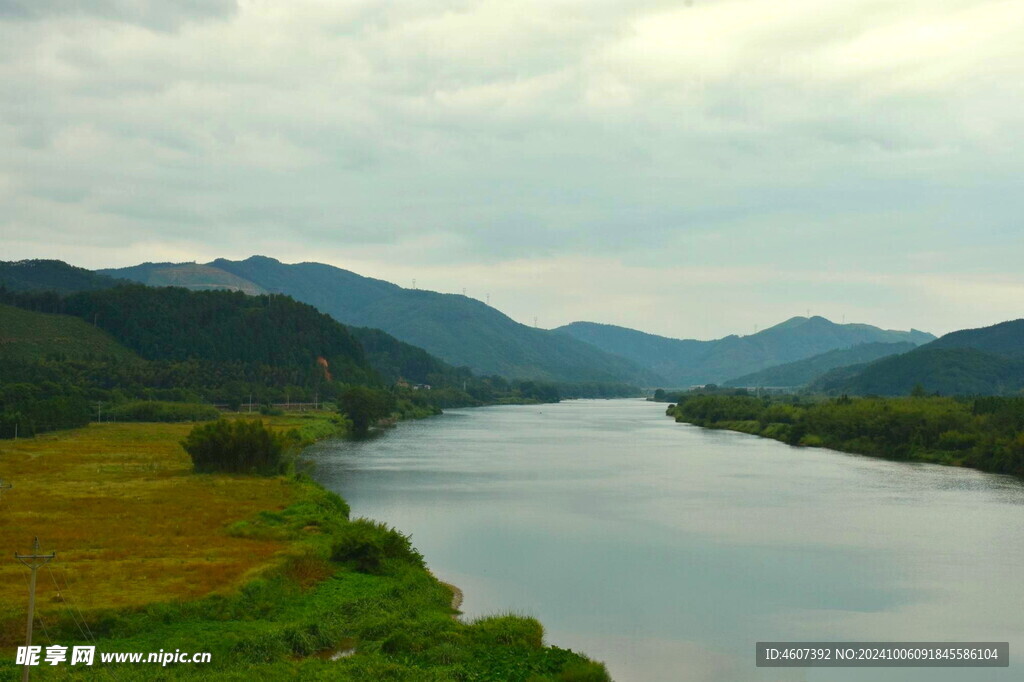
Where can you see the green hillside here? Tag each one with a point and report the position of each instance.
(459, 330)
(802, 372)
(221, 328)
(685, 362)
(388, 356)
(66, 355)
(1005, 338)
(986, 361)
(27, 335)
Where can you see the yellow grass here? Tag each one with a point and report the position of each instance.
(130, 522)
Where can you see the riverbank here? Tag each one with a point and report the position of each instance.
(262, 573)
(981, 433)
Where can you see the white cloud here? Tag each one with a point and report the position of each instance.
(650, 140)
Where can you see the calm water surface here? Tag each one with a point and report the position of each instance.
(666, 550)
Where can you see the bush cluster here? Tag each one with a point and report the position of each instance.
(370, 547)
(239, 447)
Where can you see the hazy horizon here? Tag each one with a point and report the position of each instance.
(692, 169)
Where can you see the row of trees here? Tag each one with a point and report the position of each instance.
(984, 433)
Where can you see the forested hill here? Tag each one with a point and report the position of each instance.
(986, 361)
(217, 327)
(457, 329)
(803, 372)
(1005, 338)
(685, 362)
(50, 275)
(63, 357)
(390, 358)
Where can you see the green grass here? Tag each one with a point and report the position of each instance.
(28, 335)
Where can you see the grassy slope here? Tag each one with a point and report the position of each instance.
(156, 557)
(26, 335)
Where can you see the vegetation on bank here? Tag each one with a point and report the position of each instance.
(985, 433)
(268, 574)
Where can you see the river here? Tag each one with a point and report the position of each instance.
(666, 550)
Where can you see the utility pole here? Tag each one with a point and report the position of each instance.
(488, 299)
(33, 561)
(99, 410)
(3, 487)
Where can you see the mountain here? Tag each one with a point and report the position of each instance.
(188, 275)
(802, 372)
(985, 361)
(388, 356)
(1005, 338)
(459, 330)
(685, 362)
(51, 275)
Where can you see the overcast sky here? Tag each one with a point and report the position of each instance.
(689, 168)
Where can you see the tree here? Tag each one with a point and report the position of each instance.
(364, 406)
(240, 447)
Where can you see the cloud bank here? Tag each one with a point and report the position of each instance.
(690, 168)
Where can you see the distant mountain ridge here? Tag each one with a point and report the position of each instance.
(459, 330)
(984, 361)
(803, 372)
(685, 362)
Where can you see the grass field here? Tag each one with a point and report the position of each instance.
(130, 522)
(151, 556)
(28, 335)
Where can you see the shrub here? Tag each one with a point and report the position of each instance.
(368, 547)
(241, 447)
(509, 630)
